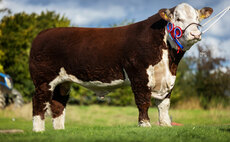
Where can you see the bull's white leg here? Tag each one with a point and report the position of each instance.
(163, 108)
(38, 124)
(59, 122)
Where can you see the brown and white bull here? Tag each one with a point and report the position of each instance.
(102, 59)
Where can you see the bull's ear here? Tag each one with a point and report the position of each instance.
(165, 14)
(205, 13)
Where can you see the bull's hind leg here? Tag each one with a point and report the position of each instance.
(41, 97)
(58, 104)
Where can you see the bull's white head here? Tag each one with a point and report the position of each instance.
(183, 15)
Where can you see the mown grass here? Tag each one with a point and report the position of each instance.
(105, 123)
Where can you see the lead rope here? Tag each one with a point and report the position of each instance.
(221, 14)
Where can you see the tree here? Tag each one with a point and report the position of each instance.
(211, 83)
(203, 77)
(17, 33)
(5, 9)
(1, 52)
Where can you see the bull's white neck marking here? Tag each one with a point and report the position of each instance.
(150, 72)
(38, 124)
(59, 122)
(161, 80)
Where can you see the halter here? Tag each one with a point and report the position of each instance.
(176, 32)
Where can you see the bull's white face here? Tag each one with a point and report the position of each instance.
(182, 16)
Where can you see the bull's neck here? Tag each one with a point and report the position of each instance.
(174, 57)
(157, 25)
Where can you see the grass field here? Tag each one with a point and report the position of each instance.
(104, 123)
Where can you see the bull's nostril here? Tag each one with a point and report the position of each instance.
(196, 36)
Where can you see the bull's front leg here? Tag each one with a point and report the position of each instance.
(163, 111)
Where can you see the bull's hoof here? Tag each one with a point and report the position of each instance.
(164, 124)
(37, 131)
(144, 123)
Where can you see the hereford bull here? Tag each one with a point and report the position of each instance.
(102, 59)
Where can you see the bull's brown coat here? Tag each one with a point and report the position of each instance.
(98, 54)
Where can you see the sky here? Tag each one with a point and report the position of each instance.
(103, 13)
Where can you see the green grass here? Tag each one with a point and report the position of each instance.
(103, 123)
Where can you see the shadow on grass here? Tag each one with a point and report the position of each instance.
(225, 129)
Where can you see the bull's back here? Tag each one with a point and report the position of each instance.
(84, 52)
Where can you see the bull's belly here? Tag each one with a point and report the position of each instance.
(100, 88)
